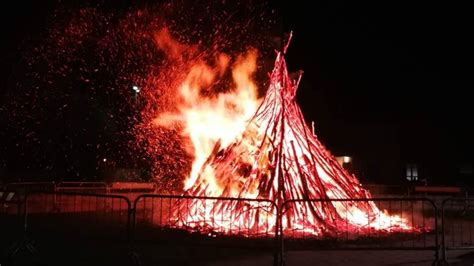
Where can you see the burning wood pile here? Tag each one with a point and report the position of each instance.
(276, 157)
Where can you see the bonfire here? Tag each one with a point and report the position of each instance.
(273, 156)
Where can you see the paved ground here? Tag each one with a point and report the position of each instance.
(354, 258)
(326, 258)
(65, 251)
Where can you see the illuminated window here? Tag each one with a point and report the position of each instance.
(412, 172)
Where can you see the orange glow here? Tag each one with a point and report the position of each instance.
(245, 147)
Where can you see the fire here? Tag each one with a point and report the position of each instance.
(246, 147)
(217, 118)
(220, 118)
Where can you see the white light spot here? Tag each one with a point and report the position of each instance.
(347, 159)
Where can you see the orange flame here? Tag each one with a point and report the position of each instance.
(209, 119)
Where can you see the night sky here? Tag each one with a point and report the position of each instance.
(388, 83)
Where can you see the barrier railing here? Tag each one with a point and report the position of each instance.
(214, 221)
(53, 219)
(132, 187)
(373, 231)
(100, 209)
(457, 225)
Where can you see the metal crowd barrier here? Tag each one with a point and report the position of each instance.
(457, 225)
(172, 220)
(62, 223)
(418, 212)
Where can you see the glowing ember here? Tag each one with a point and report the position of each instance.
(270, 155)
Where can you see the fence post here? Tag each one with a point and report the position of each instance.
(129, 223)
(277, 253)
(438, 246)
(443, 231)
(282, 238)
(25, 213)
(132, 216)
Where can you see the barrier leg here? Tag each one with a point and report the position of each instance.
(25, 243)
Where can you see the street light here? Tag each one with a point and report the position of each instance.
(136, 89)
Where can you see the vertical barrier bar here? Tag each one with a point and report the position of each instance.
(443, 228)
(435, 209)
(278, 259)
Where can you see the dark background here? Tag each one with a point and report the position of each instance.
(387, 83)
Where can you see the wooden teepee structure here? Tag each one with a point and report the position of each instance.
(278, 158)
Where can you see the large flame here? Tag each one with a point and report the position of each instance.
(216, 118)
(245, 147)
